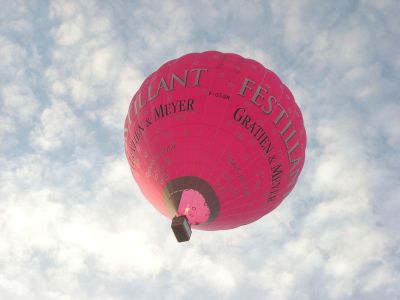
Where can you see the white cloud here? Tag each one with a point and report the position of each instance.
(14, 58)
(164, 24)
(58, 125)
(7, 126)
(19, 101)
(70, 33)
(127, 82)
(65, 10)
(384, 4)
(197, 265)
(42, 220)
(388, 119)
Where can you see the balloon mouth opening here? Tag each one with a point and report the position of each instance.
(194, 206)
(192, 197)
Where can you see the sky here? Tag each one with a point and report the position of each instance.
(74, 225)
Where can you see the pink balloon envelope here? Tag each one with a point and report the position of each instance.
(215, 138)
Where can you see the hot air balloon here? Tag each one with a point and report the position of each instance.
(214, 141)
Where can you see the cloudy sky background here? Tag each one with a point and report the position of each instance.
(73, 224)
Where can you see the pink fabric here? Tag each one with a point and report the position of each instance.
(222, 118)
(194, 207)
